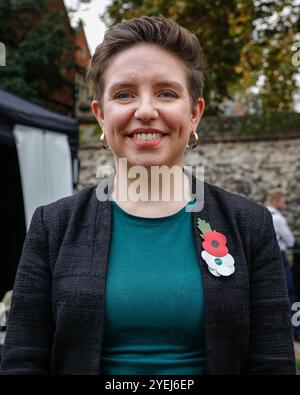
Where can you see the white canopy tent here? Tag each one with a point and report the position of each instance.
(45, 166)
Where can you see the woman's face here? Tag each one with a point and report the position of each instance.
(146, 93)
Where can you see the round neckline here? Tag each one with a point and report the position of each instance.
(166, 217)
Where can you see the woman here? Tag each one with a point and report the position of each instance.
(188, 285)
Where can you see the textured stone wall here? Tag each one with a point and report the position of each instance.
(250, 168)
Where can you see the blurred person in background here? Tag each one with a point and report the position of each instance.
(276, 203)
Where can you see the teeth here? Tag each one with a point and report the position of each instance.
(147, 136)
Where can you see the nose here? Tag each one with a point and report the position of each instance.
(146, 110)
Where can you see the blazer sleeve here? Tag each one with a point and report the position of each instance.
(27, 347)
(271, 339)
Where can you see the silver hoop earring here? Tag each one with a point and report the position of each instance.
(196, 141)
(102, 138)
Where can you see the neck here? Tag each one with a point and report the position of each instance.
(151, 185)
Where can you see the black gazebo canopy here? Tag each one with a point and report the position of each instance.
(15, 110)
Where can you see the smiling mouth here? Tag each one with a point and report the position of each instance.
(146, 136)
(146, 140)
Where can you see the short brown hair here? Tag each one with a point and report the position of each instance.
(157, 30)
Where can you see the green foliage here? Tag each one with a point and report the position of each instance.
(268, 54)
(269, 124)
(241, 42)
(35, 45)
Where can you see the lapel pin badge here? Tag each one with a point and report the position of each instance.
(215, 253)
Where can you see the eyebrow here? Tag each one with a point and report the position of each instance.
(122, 85)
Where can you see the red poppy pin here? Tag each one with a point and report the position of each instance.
(215, 254)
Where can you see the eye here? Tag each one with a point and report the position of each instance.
(123, 95)
(168, 94)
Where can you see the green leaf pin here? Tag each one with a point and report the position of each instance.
(203, 226)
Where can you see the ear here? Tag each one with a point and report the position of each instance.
(98, 111)
(197, 112)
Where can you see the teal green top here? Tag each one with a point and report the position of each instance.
(154, 306)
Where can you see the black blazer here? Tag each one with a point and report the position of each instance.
(56, 321)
